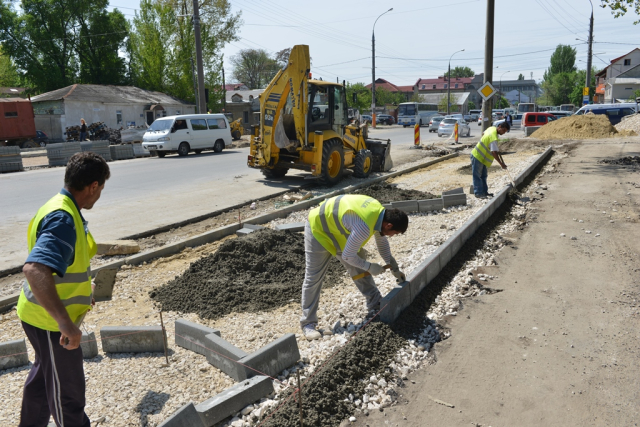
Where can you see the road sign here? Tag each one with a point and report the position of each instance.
(585, 99)
(585, 91)
(487, 91)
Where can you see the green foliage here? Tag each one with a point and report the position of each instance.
(55, 43)
(162, 47)
(383, 97)
(460, 72)
(472, 105)
(442, 104)
(8, 74)
(501, 103)
(563, 60)
(561, 83)
(636, 93)
(621, 7)
(520, 76)
(255, 68)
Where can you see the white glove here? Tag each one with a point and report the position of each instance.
(375, 269)
(399, 275)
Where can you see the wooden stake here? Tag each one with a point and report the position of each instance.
(299, 396)
(164, 339)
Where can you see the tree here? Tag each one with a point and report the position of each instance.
(254, 67)
(460, 72)
(621, 7)
(282, 57)
(442, 104)
(563, 60)
(520, 76)
(9, 76)
(502, 103)
(561, 77)
(471, 105)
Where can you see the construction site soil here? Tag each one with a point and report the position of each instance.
(387, 193)
(257, 272)
(623, 161)
(588, 126)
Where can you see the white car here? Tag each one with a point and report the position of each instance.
(447, 125)
(189, 132)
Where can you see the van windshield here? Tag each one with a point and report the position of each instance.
(160, 125)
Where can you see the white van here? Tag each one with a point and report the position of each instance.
(185, 133)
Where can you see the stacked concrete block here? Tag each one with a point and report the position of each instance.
(10, 159)
(458, 190)
(225, 356)
(121, 152)
(191, 336)
(248, 229)
(89, 345)
(294, 226)
(132, 339)
(59, 154)
(187, 416)
(430, 205)
(454, 199)
(234, 399)
(528, 130)
(138, 151)
(13, 354)
(273, 358)
(104, 279)
(99, 147)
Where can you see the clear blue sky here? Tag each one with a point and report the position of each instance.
(416, 39)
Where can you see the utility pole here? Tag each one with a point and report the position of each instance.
(587, 83)
(449, 83)
(488, 63)
(195, 85)
(373, 71)
(224, 91)
(196, 29)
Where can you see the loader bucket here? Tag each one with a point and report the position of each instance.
(381, 153)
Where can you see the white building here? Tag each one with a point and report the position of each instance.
(116, 106)
(620, 79)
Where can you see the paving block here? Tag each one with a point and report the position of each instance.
(191, 335)
(118, 247)
(406, 206)
(387, 205)
(253, 227)
(7, 301)
(294, 226)
(89, 345)
(105, 279)
(458, 190)
(454, 200)
(132, 339)
(430, 205)
(274, 357)
(244, 231)
(224, 355)
(234, 399)
(13, 354)
(444, 251)
(471, 189)
(395, 301)
(528, 130)
(187, 416)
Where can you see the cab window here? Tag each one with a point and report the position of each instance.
(542, 119)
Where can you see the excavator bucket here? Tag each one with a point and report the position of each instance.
(381, 153)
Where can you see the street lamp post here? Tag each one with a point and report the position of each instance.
(373, 70)
(588, 79)
(449, 83)
(500, 91)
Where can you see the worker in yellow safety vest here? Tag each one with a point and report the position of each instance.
(57, 294)
(482, 157)
(339, 228)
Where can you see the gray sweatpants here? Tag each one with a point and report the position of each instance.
(316, 263)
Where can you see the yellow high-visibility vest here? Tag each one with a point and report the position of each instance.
(326, 219)
(74, 289)
(482, 151)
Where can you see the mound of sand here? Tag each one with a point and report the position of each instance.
(589, 126)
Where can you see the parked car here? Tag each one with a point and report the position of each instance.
(434, 122)
(615, 112)
(41, 138)
(447, 125)
(516, 119)
(385, 119)
(366, 118)
(537, 119)
(561, 114)
(475, 114)
(480, 120)
(467, 118)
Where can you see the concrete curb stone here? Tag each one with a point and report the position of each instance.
(191, 335)
(187, 416)
(13, 354)
(273, 358)
(132, 339)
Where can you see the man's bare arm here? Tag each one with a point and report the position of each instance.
(40, 278)
(496, 155)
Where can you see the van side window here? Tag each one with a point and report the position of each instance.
(531, 118)
(213, 123)
(198, 124)
(627, 111)
(222, 124)
(542, 119)
(613, 112)
(180, 124)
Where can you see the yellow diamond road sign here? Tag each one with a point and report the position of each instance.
(487, 90)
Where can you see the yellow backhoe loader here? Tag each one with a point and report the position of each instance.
(304, 125)
(237, 130)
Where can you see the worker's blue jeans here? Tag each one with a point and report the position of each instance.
(479, 171)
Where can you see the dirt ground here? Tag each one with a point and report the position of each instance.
(559, 345)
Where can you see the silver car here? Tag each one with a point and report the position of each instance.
(447, 125)
(434, 122)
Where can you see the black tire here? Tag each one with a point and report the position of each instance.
(332, 152)
(183, 149)
(161, 154)
(420, 123)
(363, 164)
(274, 173)
(42, 143)
(30, 143)
(197, 151)
(236, 135)
(218, 146)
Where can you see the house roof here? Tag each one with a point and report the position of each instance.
(620, 57)
(434, 98)
(387, 85)
(633, 72)
(108, 94)
(441, 81)
(245, 94)
(235, 86)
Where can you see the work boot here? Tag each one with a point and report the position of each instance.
(310, 332)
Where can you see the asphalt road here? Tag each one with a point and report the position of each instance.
(143, 194)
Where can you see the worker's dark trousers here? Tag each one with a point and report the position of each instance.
(55, 385)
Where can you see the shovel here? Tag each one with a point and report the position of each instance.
(513, 183)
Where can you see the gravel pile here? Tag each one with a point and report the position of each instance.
(631, 122)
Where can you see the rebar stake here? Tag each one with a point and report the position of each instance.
(299, 396)
(164, 339)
